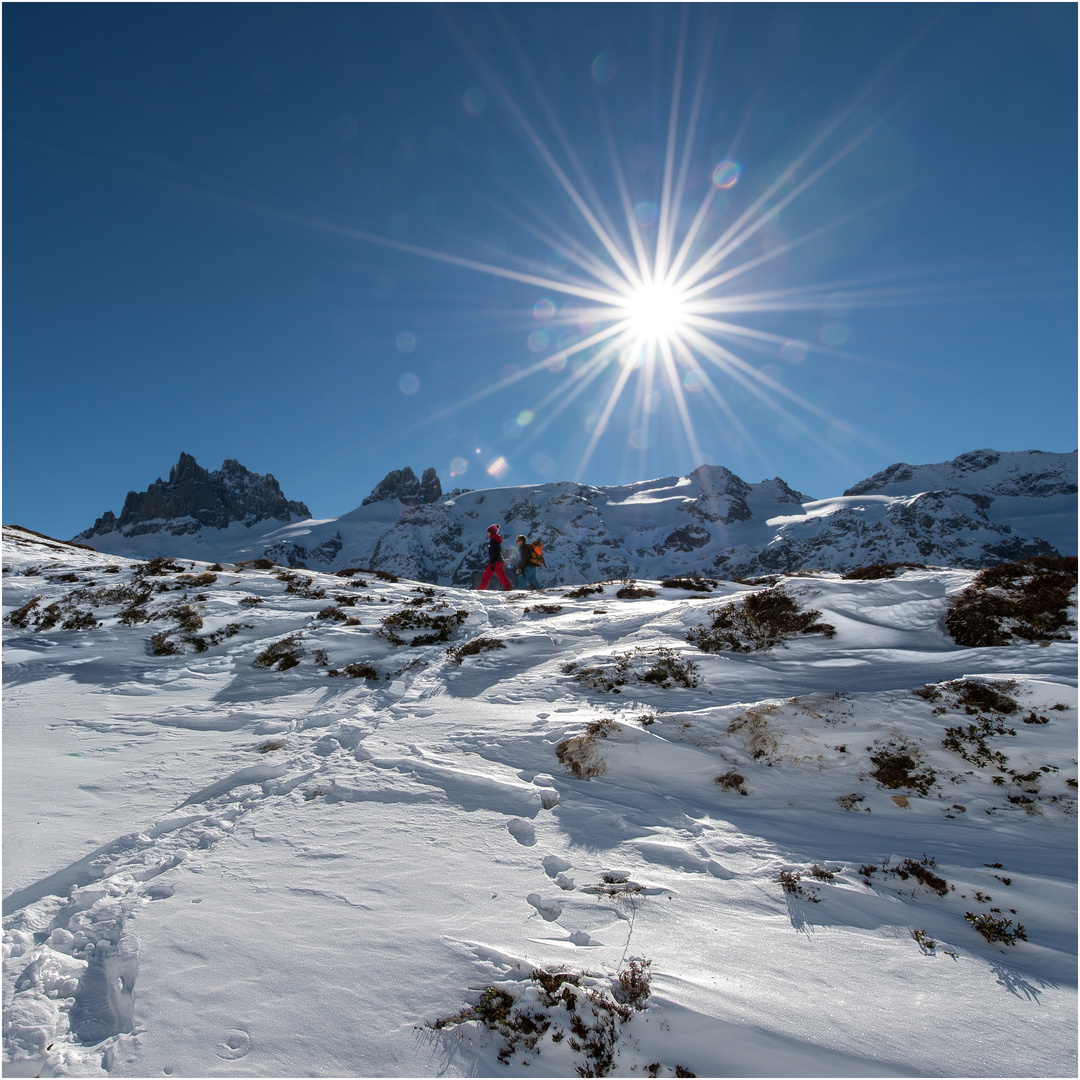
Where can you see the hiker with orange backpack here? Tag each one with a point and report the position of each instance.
(495, 560)
(530, 556)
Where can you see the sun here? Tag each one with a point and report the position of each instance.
(656, 313)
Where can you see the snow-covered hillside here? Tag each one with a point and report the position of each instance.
(245, 833)
(979, 509)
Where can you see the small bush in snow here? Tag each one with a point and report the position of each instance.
(409, 619)
(282, 654)
(759, 621)
(996, 929)
(457, 653)
(157, 567)
(357, 671)
(878, 571)
(1028, 600)
(162, 645)
(582, 591)
(585, 1010)
(635, 592)
(693, 584)
(666, 668)
(256, 564)
(898, 764)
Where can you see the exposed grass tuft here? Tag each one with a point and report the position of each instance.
(732, 781)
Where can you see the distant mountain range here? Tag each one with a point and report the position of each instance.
(980, 508)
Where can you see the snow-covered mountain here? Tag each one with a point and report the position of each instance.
(981, 508)
(193, 499)
(248, 831)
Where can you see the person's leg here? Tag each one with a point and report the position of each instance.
(528, 577)
(486, 578)
(500, 573)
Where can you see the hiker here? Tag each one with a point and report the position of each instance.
(495, 560)
(530, 556)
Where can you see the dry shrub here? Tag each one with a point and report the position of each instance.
(759, 621)
(753, 727)
(635, 592)
(580, 756)
(282, 654)
(1028, 600)
(693, 584)
(878, 571)
(457, 653)
(898, 764)
(732, 781)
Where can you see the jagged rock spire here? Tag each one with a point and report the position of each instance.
(194, 498)
(402, 484)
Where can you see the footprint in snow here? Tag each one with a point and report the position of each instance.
(522, 831)
(236, 1044)
(553, 865)
(549, 910)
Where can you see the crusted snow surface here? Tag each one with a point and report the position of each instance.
(213, 868)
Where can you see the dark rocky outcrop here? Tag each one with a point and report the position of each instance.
(402, 484)
(194, 498)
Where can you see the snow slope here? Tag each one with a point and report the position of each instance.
(216, 869)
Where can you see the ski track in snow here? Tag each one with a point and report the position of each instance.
(394, 844)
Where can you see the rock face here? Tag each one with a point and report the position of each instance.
(193, 499)
(401, 484)
(979, 509)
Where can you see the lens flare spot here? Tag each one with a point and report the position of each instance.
(382, 286)
(693, 382)
(475, 101)
(539, 340)
(543, 309)
(498, 468)
(631, 356)
(652, 402)
(646, 213)
(511, 428)
(726, 174)
(405, 341)
(639, 439)
(834, 333)
(794, 352)
(556, 261)
(525, 417)
(542, 463)
(459, 466)
(508, 371)
(603, 68)
(556, 363)
(655, 312)
(408, 383)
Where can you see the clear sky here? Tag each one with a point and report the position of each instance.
(334, 240)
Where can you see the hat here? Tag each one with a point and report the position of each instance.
(493, 528)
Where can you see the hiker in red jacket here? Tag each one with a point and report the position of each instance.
(495, 560)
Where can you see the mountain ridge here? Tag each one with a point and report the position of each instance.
(983, 507)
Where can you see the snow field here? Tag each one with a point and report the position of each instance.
(217, 870)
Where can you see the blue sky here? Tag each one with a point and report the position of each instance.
(333, 240)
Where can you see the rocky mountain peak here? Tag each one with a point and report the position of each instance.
(194, 498)
(402, 484)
